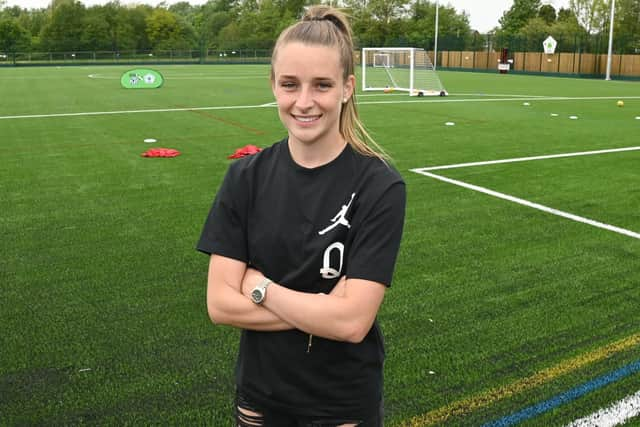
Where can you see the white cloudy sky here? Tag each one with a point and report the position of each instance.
(483, 14)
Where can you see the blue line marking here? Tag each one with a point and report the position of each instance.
(566, 397)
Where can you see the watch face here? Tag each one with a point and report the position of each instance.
(256, 295)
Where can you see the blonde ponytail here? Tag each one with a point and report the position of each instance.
(326, 26)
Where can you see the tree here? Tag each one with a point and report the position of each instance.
(534, 33)
(209, 24)
(95, 34)
(627, 26)
(568, 32)
(106, 28)
(547, 13)
(591, 14)
(386, 10)
(11, 12)
(136, 19)
(231, 37)
(162, 27)
(518, 15)
(294, 7)
(167, 31)
(361, 22)
(184, 9)
(13, 37)
(33, 20)
(256, 25)
(64, 30)
(566, 15)
(454, 30)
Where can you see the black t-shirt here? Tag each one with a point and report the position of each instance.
(304, 229)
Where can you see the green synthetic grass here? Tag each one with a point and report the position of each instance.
(103, 295)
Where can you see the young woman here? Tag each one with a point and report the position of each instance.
(303, 238)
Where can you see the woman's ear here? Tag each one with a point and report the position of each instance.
(349, 87)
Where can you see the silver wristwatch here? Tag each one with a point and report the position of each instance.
(259, 293)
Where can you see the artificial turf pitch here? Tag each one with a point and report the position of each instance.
(495, 306)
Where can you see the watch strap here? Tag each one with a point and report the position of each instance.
(264, 283)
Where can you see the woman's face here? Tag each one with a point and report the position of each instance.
(309, 90)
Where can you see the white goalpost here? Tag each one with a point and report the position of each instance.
(405, 69)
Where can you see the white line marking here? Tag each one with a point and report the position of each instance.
(526, 159)
(531, 204)
(160, 110)
(184, 77)
(380, 94)
(551, 98)
(497, 94)
(614, 415)
(239, 107)
(215, 77)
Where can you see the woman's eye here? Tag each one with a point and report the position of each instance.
(324, 86)
(288, 85)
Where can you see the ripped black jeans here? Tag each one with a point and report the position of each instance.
(249, 414)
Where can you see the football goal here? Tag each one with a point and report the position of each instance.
(406, 69)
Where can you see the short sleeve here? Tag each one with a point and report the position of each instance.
(374, 250)
(225, 229)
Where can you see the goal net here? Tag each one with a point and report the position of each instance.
(404, 69)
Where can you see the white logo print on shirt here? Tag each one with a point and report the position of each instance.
(340, 218)
(327, 271)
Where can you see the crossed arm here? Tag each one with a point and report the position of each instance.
(345, 314)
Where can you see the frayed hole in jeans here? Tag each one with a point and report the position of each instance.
(248, 418)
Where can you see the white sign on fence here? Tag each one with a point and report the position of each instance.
(550, 45)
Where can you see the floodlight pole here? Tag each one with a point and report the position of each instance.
(612, 14)
(435, 46)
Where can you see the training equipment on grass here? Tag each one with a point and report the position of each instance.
(161, 152)
(150, 140)
(405, 69)
(247, 150)
(141, 78)
(620, 103)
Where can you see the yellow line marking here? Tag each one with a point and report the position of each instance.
(470, 404)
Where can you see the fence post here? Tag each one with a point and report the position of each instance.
(579, 62)
(620, 57)
(540, 65)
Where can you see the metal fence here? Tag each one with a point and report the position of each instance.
(584, 55)
(596, 43)
(240, 56)
(561, 63)
(485, 58)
